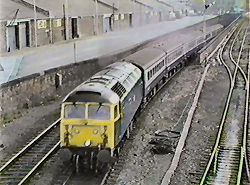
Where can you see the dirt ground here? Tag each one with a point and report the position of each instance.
(167, 110)
(16, 134)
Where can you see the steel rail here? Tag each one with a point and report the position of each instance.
(235, 63)
(39, 163)
(246, 122)
(232, 82)
(27, 153)
(244, 140)
(224, 115)
(29, 145)
(243, 147)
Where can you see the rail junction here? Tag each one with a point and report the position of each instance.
(229, 154)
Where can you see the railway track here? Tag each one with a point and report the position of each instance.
(226, 161)
(24, 164)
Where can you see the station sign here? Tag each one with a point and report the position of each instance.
(41, 24)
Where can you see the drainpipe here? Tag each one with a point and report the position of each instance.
(67, 19)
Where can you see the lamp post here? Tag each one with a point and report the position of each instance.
(118, 7)
(35, 21)
(206, 6)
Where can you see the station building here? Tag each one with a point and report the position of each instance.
(25, 25)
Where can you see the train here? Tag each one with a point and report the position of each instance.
(99, 113)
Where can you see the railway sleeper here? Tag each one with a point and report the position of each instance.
(14, 181)
(232, 161)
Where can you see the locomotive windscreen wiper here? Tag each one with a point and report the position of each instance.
(100, 104)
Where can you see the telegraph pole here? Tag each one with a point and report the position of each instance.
(247, 5)
(66, 9)
(35, 21)
(118, 6)
(206, 6)
(96, 18)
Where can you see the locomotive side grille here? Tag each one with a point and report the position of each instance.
(119, 89)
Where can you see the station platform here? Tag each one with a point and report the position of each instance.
(36, 60)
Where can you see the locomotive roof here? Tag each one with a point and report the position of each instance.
(112, 84)
(146, 57)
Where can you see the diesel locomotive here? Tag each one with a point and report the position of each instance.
(97, 114)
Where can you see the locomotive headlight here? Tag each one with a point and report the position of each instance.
(87, 143)
(95, 131)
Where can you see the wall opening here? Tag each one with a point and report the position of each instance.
(74, 28)
(58, 80)
(27, 32)
(17, 36)
(130, 20)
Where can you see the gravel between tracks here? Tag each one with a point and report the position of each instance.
(14, 135)
(204, 125)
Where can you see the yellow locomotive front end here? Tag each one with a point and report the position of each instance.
(89, 126)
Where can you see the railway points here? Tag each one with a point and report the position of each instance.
(228, 155)
(129, 113)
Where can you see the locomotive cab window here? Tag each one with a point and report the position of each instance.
(99, 112)
(74, 111)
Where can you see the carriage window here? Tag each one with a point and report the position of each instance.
(99, 112)
(74, 112)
